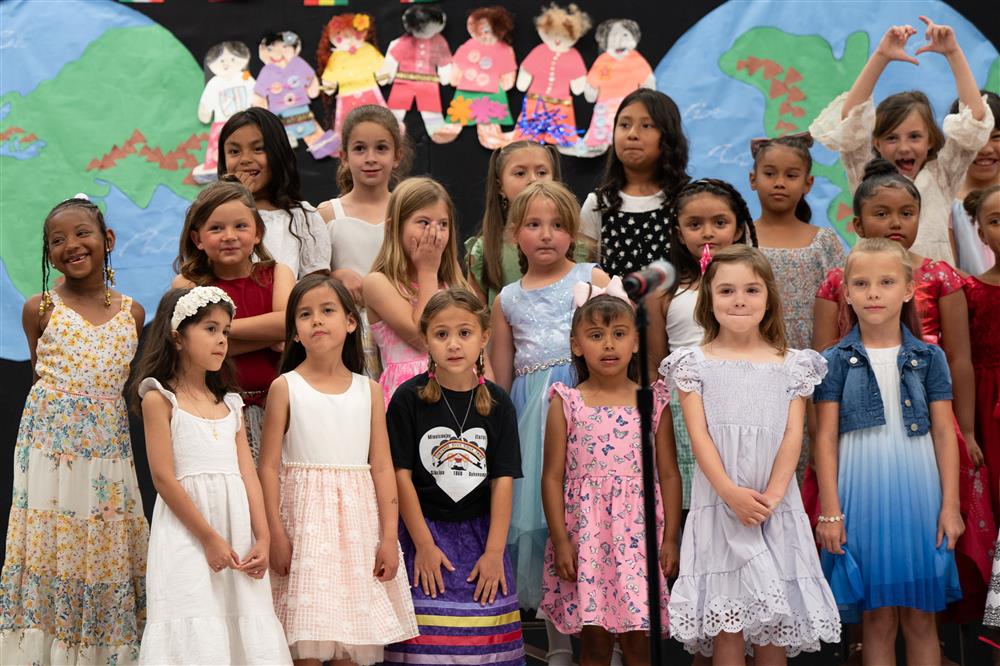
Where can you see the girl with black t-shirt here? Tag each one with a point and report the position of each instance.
(454, 442)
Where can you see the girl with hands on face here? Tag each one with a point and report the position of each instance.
(417, 259)
(747, 548)
(456, 452)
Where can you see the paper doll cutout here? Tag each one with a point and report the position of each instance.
(619, 70)
(350, 62)
(483, 70)
(285, 86)
(228, 89)
(418, 63)
(552, 71)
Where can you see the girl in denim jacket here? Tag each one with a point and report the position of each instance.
(887, 462)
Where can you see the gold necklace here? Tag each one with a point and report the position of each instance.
(197, 412)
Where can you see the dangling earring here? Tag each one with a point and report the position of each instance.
(109, 277)
(503, 201)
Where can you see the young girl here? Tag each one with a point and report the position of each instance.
(706, 213)
(593, 494)
(418, 257)
(81, 597)
(337, 589)
(902, 130)
(972, 255)
(887, 205)
(885, 440)
(493, 262)
(253, 147)
(982, 293)
(208, 592)
(530, 352)
(626, 215)
(372, 160)
(222, 245)
(454, 445)
(749, 573)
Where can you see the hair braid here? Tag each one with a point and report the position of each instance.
(431, 391)
(484, 401)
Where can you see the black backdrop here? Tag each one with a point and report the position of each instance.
(460, 166)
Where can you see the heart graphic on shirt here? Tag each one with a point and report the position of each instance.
(456, 463)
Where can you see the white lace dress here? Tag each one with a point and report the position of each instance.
(764, 581)
(195, 615)
(939, 180)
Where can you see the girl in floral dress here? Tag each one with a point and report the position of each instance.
(73, 582)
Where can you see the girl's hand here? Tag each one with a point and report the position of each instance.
(386, 560)
(255, 562)
(245, 179)
(950, 525)
(352, 282)
(427, 563)
(750, 506)
(975, 453)
(832, 536)
(280, 552)
(940, 39)
(670, 557)
(565, 560)
(893, 44)
(220, 554)
(426, 251)
(489, 570)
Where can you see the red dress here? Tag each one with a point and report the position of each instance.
(974, 551)
(984, 339)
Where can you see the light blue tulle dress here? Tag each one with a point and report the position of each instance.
(540, 322)
(890, 491)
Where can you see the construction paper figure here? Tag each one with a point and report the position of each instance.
(228, 89)
(285, 86)
(418, 63)
(483, 70)
(549, 74)
(619, 70)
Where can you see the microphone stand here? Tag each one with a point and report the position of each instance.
(644, 402)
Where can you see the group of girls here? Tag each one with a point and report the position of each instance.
(316, 375)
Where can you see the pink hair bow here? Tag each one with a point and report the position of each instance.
(584, 291)
(706, 258)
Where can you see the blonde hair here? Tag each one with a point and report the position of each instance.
(908, 315)
(410, 196)
(772, 326)
(567, 207)
(193, 263)
(571, 21)
(463, 299)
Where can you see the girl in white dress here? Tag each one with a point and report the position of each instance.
(208, 594)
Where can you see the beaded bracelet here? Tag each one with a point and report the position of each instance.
(831, 519)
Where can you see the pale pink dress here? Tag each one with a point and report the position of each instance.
(400, 361)
(330, 604)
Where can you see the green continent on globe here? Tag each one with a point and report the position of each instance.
(118, 114)
(798, 76)
(993, 78)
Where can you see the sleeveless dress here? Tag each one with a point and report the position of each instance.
(603, 497)
(73, 582)
(540, 322)
(354, 244)
(984, 337)
(683, 331)
(330, 604)
(763, 581)
(196, 615)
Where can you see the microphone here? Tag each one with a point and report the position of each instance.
(658, 275)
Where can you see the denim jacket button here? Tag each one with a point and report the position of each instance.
(914, 362)
(913, 427)
(853, 360)
(907, 402)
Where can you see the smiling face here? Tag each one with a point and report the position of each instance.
(543, 236)
(371, 154)
(706, 219)
(204, 343)
(636, 137)
(906, 145)
(454, 340)
(278, 53)
(75, 244)
(986, 167)
(988, 223)
(245, 154)
(321, 322)
(876, 287)
(780, 178)
(346, 40)
(620, 41)
(523, 167)
(606, 347)
(739, 297)
(891, 212)
(228, 237)
(228, 65)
